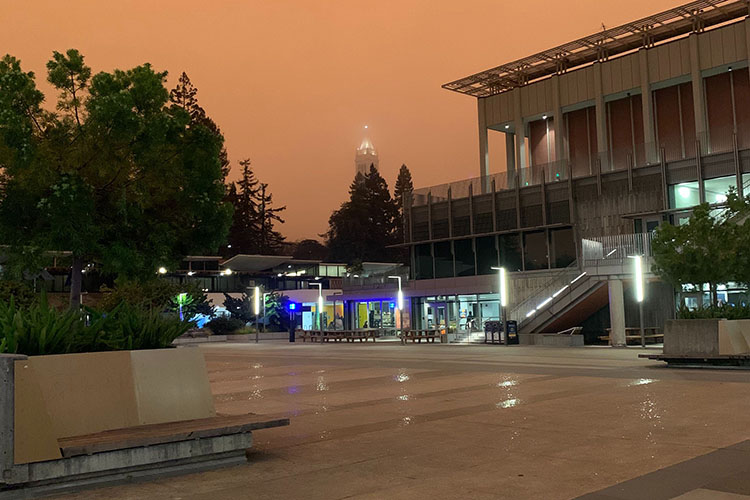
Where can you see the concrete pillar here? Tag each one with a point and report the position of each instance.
(510, 158)
(7, 412)
(601, 117)
(484, 151)
(520, 130)
(616, 313)
(647, 104)
(699, 106)
(557, 123)
(747, 41)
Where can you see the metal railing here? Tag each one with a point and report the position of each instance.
(616, 247)
(378, 281)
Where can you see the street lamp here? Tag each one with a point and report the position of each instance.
(638, 280)
(399, 303)
(503, 292)
(256, 310)
(320, 304)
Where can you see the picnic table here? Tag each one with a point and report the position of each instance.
(338, 335)
(429, 335)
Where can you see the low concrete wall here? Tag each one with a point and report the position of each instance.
(691, 337)
(559, 340)
(527, 338)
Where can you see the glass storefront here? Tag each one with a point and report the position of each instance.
(374, 314)
(457, 313)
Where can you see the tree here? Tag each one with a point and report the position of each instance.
(184, 95)
(252, 230)
(365, 225)
(706, 249)
(270, 240)
(309, 250)
(115, 176)
(402, 196)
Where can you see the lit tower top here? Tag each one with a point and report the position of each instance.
(365, 156)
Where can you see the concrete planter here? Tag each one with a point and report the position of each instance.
(76, 394)
(706, 337)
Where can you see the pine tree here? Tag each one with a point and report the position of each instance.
(270, 240)
(363, 227)
(402, 194)
(243, 195)
(184, 95)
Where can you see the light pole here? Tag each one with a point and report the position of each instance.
(638, 279)
(503, 296)
(399, 304)
(320, 304)
(256, 310)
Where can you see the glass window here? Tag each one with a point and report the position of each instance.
(486, 255)
(684, 195)
(535, 250)
(464, 257)
(423, 262)
(562, 246)
(510, 252)
(717, 189)
(443, 260)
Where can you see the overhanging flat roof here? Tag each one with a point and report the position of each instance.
(255, 263)
(646, 32)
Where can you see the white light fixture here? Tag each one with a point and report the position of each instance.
(229, 246)
(546, 301)
(256, 301)
(162, 270)
(579, 277)
(544, 117)
(503, 287)
(227, 272)
(507, 127)
(399, 294)
(638, 277)
(190, 273)
(684, 191)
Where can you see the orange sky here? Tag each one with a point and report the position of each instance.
(292, 82)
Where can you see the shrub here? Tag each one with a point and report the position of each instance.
(726, 311)
(224, 325)
(41, 329)
(18, 290)
(158, 294)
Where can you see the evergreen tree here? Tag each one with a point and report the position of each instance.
(252, 230)
(270, 241)
(184, 95)
(402, 196)
(365, 225)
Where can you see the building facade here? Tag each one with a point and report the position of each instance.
(606, 138)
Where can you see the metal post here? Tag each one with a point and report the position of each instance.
(640, 312)
(7, 422)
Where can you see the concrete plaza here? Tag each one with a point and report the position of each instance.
(386, 421)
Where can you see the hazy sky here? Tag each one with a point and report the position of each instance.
(292, 83)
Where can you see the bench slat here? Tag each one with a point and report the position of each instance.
(170, 432)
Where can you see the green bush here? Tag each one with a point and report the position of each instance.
(727, 311)
(224, 325)
(18, 290)
(41, 329)
(158, 294)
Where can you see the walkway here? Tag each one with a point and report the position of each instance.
(445, 421)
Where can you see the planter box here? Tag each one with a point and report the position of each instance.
(706, 337)
(75, 394)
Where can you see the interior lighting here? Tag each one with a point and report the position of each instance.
(721, 198)
(684, 191)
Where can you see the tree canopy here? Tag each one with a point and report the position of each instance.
(117, 175)
(364, 226)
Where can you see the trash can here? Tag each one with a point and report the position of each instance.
(511, 332)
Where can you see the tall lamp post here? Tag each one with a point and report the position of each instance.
(399, 304)
(503, 295)
(256, 310)
(320, 304)
(638, 280)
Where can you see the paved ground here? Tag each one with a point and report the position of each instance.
(386, 421)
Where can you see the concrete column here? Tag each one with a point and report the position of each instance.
(647, 104)
(484, 151)
(7, 412)
(601, 117)
(747, 39)
(520, 131)
(616, 313)
(510, 158)
(557, 123)
(699, 106)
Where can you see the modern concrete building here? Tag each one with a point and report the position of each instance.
(606, 138)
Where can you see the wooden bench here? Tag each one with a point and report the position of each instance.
(170, 432)
(418, 335)
(338, 335)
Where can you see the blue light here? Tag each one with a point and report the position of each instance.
(292, 306)
(393, 305)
